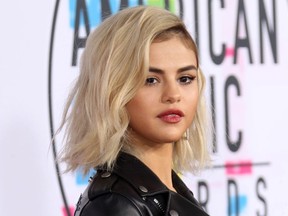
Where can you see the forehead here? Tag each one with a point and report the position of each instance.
(184, 37)
(171, 53)
(185, 40)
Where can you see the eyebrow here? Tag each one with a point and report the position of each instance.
(183, 69)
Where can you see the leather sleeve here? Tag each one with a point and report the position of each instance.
(111, 204)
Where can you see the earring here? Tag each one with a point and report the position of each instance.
(186, 135)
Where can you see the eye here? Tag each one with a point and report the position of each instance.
(151, 81)
(185, 80)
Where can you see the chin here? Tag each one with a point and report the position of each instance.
(173, 139)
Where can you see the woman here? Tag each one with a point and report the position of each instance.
(137, 115)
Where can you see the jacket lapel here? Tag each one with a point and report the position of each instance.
(185, 207)
(147, 184)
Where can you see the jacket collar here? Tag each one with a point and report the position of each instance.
(147, 184)
(138, 175)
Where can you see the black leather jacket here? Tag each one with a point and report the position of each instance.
(132, 189)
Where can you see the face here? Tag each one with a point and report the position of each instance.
(163, 109)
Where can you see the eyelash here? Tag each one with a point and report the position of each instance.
(150, 81)
(190, 79)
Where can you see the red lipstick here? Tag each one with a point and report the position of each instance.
(171, 116)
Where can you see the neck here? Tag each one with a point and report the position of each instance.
(159, 160)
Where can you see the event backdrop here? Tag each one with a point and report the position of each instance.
(243, 53)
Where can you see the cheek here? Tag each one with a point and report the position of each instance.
(141, 102)
(134, 104)
(131, 110)
(192, 97)
(135, 109)
(192, 104)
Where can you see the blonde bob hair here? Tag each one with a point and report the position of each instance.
(113, 67)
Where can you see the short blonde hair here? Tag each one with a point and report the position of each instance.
(113, 67)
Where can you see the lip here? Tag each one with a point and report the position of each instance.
(171, 116)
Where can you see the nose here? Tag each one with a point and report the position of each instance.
(171, 93)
